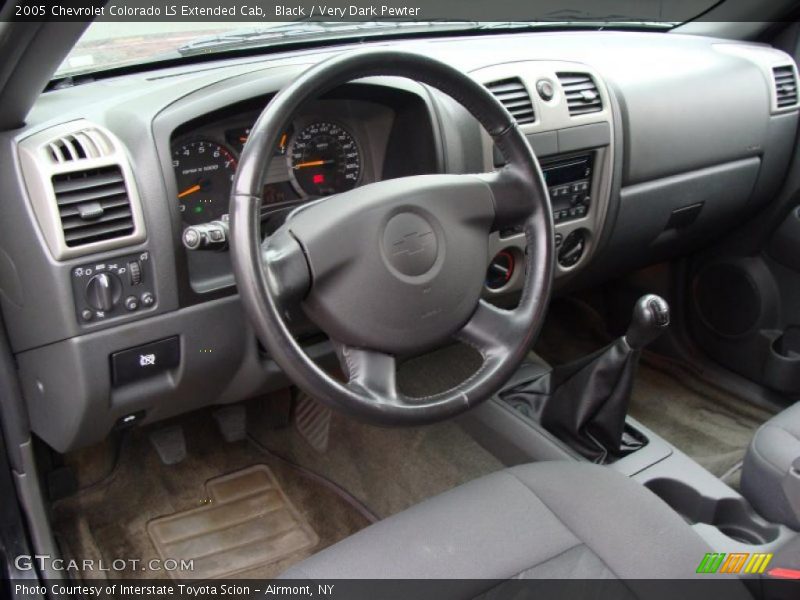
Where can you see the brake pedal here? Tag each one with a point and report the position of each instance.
(170, 444)
(232, 422)
(313, 422)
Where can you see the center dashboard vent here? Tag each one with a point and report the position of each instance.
(785, 86)
(93, 205)
(581, 93)
(513, 94)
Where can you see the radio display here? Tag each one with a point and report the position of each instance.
(567, 172)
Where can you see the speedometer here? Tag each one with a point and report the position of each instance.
(204, 172)
(323, 159)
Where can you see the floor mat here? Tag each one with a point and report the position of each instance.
(248, 522)
(109, 520)
(712, 426)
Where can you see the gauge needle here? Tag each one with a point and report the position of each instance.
(191, 190)
(312, 163)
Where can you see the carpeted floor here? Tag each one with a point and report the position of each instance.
(109, 519)
(710, 425)
(387, 469)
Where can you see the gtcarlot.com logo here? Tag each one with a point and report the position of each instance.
(45, 562)
(734, 562)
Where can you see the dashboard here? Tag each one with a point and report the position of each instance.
(643, 163)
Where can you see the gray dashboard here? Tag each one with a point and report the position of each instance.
(689, 139)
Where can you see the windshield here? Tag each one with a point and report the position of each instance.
(106, 45)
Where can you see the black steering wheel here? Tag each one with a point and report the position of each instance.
(393, 268)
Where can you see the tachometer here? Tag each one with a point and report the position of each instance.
(324, 159)
(204, 172)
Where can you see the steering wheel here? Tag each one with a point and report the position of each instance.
(393, 268)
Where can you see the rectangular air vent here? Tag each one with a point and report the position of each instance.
(513, 94)
(581, 93)
(87, 143)
(785, 86)
(93, 205)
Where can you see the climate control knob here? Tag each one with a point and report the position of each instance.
(103, 291)
(571, 249)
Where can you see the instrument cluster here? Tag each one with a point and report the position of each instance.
(315, 157)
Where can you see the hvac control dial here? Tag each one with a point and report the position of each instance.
(572, 248)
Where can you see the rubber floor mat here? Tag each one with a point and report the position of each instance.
(247, 522)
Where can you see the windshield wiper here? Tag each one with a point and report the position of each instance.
(306, 30)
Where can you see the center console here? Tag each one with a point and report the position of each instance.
(565, 111)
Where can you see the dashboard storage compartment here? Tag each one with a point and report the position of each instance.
(664, 217)
(733, 516)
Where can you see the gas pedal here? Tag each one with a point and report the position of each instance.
(313, 422)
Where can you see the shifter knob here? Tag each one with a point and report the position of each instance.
(650, 319)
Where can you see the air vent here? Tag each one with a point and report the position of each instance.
(93, 205)
(87, 143)
(581, 93)
(785, 86)
(513, 94)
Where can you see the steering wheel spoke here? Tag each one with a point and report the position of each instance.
(511, 195)
(489, 329)
(286, 268)
(370, 371)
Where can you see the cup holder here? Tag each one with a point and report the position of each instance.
(782, 364)
(733, 516)
(788, 344)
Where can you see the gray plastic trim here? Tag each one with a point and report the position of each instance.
(766, 59)
(31, 498)
(38, 167)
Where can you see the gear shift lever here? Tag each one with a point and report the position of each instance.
(650, 319)
(584, 403)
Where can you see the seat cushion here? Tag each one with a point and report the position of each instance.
(545, 520)
(775, 446)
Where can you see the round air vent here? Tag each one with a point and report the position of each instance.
(501, 270)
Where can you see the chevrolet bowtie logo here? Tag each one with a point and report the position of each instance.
(412, 243)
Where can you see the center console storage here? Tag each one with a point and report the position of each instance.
(732, 516)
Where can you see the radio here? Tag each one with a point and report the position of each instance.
(569, 181)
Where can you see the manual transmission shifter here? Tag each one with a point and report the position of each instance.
(585, 402)
(650, 319)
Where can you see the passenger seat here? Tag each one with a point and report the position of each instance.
(771, 470)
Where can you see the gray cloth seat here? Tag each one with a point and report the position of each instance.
(775, 446)
(545, 520)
